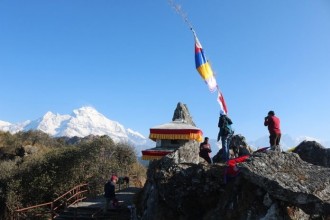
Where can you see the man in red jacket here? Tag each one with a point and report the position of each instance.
(273, 124)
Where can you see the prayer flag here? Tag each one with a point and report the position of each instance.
(204, 67)
(222, 103)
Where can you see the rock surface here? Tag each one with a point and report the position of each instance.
(289, 179)
(182, 113)
(271, 185)
(188, 153)
(313, 152)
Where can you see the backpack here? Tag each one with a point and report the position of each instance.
(225, 126)
(227, 129)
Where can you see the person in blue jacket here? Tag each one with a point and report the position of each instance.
(225, 133)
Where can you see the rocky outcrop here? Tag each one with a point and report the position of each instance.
(180, 191)
(313, 152)
(182, 113)
(238, 147)
(288, 179)
(188, 153)
(271, 185)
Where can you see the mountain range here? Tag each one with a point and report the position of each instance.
(287, 142)
(87, 120)
(82, 122)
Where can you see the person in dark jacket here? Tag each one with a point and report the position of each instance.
(273, 124)
(126, 180)
(225, 134)
(205, 150)
(109, 191)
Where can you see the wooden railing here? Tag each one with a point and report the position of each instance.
(53, 208)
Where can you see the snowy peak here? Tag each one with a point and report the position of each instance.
(134, 133)
(49, 123)
(306, 138)
(86, 111)
(81, 122)
(87, 120)
(4, 124)
(13, 128)
(287, 142)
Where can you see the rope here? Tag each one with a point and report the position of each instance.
(178, 9)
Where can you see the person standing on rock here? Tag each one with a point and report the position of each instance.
(109, 192)
(273, 124)
(205, 150)
(225, 133)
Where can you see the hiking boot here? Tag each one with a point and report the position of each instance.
(278, 148)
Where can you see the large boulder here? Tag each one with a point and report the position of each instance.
(237, 147)
(180, 191)
(271, 185)
(188, 153)
(288, 178)
(313, 152)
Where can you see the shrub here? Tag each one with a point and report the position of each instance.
(42, 177)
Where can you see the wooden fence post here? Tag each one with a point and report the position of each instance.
(52, 210)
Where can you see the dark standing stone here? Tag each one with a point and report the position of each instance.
(313, 152)
(182, 113)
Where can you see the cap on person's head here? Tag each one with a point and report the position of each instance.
(206, 138)
(271, 113)
(114, 177)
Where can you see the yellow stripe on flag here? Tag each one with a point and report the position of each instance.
(205, 71)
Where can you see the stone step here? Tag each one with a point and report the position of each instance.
(92, 213)
(92, 208)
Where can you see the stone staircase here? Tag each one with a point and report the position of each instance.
(73, 213)
(92, 208)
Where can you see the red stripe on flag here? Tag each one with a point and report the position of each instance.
(197, 49)
(222, 102)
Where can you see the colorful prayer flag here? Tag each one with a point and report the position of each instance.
(204, 67)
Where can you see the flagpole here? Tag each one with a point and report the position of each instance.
(183, 15)
(194, 33)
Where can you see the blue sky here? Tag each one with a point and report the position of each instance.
(134, 61)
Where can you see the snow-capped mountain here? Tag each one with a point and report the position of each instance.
(87, 120)
(13, 128)
(82, 122)
(286, 143)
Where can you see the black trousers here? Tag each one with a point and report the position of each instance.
(274, 139)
